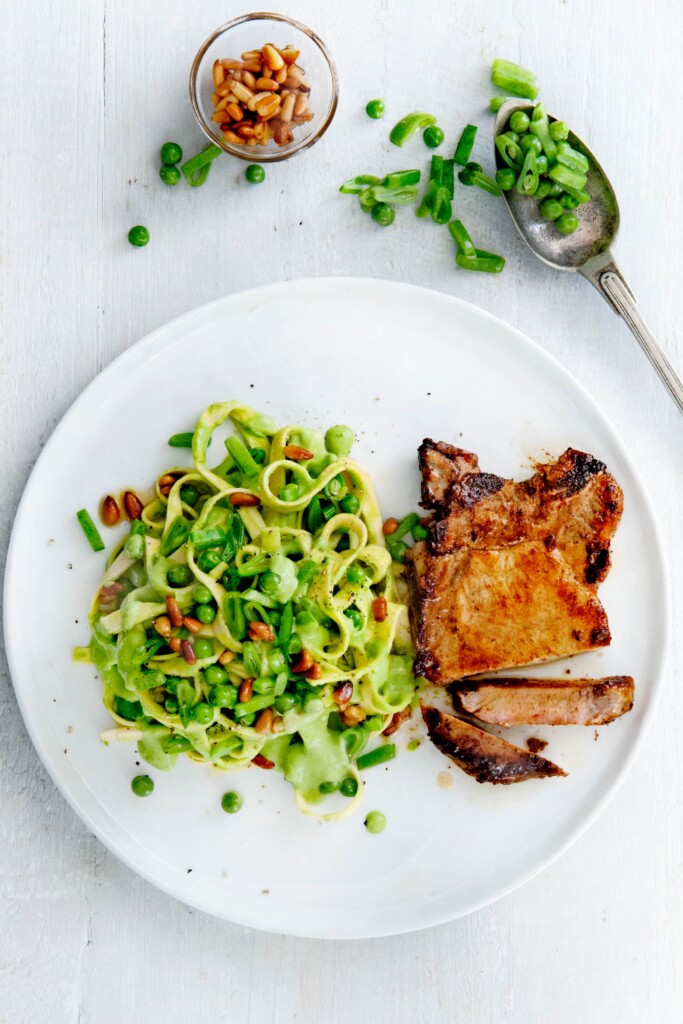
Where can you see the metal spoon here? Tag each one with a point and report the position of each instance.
(588, 250)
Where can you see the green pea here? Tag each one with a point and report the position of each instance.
(349, 786)
(269, 582)
(179, 575)
(171, 153)
(171, 705)
(208, 560)
(203, 648)
(419, 531)
(202, 713)
(169, 174)
(258, 455)
(202, 594)
(176, 745)
(285, 703)
(142, 785)
(289, 493)
(355, 574)
(569, 202)
(138, 236)
(328, 787)
(555, 190)
(567, 223)
(382, 214)
(339, 440)
(215, 675)
(551, 209)
(375, 822)
(255, 174)
(189, 494)
(559, 130)
(528, 142)
(350, 504)
(206, 613)
(506, 178)
(356, 617)
(295, 644)
(172, 682)
(231, 802)
(375, 109)
(519, 122)
(433, 136)
(223, 696)
(248, 719)
(542, 163)
(398, 551)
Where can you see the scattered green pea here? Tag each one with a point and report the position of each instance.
(339, 440)
(567, 223)
(382, 214)
(215, 675)
(255, 174)
(223, 696)
(206, 613)
(350, 504)
(171, 153)
(328, 787)
(169, 174)
(375, 822)
(138, 235)
(142, 785)
(355, 574)
(551, 209)
(375, 109)
(203, 648)
(231, 802)
(179, 575)
(349, 786)
(433, 136)
(189, 494)
(202, 713)
(202, 594)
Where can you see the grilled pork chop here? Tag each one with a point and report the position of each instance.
(517, 701)
(508, 574)
(485, 757)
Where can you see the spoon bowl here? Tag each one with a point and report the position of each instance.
(588, 251)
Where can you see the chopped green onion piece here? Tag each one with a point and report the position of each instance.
(527, 183)
(377, 756)
(90, 530)
(509, 150)
(464, 148)
(354, 186)
(408, 125)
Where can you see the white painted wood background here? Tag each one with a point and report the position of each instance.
(89, 90)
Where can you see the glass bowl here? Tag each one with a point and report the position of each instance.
(251, 32)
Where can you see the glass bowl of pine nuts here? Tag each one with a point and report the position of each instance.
(264, 87)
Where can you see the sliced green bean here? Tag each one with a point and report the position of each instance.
(463, 150)
(90, 530)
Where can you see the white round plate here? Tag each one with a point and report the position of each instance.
(398, 363)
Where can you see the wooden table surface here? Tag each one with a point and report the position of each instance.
(90, 89)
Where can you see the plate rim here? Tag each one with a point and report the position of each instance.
(145, 346)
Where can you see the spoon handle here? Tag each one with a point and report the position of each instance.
(614, 288)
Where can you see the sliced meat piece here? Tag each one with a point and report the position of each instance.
(515, 701)
(478, 611)
(485, 757)
(574, 505)
(441, 465)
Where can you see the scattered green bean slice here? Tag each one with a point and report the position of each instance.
(463, 150)
(196, 169)
(181, 440)
(90, 530)
(408, 125)
(485, 262)
(354, 186)
(386, 752)
(514, 79)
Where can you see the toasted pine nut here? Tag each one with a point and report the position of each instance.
(267, 134)
(266, 83)
(218, 74)
(390, 526)
(353, 715)
(252, 142)
(249, 79)
(246, 131)
(287, 107)
(214, 98)
(173, 609)
(236, 76)
(232, 137)
(293, 451)
(262, 762)
(255, 66)
(241, 92)
(257, 98)
(264, 722)
(304, 86)
(188, 652)
(270, 106)
(315, 671)
(397, 721)
(111, 513)
(267, 73)
(343, 694)
(259, 129)
(303, 118)
(220, 104)
(231, 98)
(132, 505)
(163, 625)
(261, 631)
(242, 499)
(232, 65)
(271, 57)
(175, 643)
(221, 117)
(194, 625)
(304, 663)
(167, 480)
(235, 111)
(300, 106)
(281, 132)
(251, 55)
(224, 88)
(379, 609)
(289, 55)
(225, 657)
(278, 723)
(245, 691)
(280, 76)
